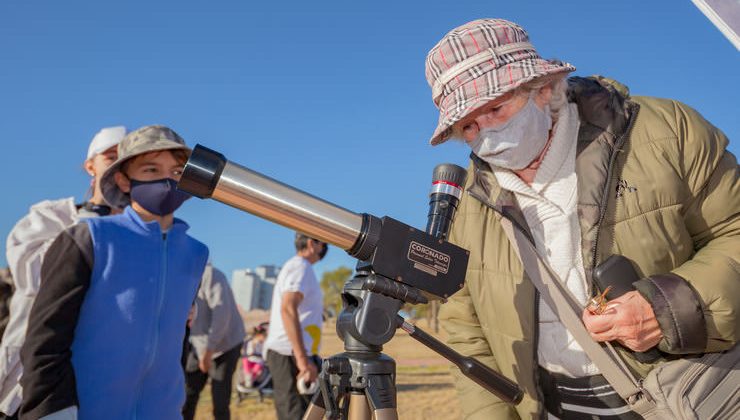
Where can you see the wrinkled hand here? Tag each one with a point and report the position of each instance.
(628, 319)
(307, 370)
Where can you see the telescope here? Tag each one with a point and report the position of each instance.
(397, 264)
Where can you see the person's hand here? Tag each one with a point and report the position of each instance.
(191, 316)
(307, 370)
(204, 363)
(628, 319)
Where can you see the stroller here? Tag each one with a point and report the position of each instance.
(253, 377)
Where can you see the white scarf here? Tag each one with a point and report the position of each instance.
(549, 207)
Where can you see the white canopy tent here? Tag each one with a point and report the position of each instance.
(725, 15)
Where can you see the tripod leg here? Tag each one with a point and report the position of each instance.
(381, 394)
(316, 409)
(358, 407)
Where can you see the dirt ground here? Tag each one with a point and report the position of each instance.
(425, 388)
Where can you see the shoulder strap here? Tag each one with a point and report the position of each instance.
(568, 310)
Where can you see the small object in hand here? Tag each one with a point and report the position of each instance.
(597, 304)
(306, 388)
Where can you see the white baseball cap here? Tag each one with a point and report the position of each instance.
(105, 139)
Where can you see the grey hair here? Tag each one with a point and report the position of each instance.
(558, 83)
(301, 241)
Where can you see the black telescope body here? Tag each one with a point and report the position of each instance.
(393, 249)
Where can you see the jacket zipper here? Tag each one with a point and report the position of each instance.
(607, 187)
(160, 303)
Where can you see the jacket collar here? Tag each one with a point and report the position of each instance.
(153, 227)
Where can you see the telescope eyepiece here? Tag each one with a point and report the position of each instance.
(450, 174)
(448, 181)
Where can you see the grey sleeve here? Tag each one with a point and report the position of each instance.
(224, 314)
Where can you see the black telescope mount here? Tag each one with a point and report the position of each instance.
(360, 383)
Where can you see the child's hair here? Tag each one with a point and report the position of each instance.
(180, 155)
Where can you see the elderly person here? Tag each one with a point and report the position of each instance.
(589, 172)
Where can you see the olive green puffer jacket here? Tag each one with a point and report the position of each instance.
(654, 184)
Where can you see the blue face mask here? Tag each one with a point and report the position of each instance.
(160, 197)
(516, 143)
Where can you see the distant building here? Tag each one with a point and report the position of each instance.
(243, 284)
(253, 289)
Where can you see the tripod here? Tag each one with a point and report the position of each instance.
(360, 383)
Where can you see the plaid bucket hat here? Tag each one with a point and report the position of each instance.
(150, 138)
(478, 62)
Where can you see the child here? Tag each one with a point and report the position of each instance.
(105, 333)
(254, 363)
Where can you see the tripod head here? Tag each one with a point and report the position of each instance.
(397, 264)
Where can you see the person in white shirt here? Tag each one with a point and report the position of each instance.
(294, 338)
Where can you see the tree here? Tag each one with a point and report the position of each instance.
(332, 283)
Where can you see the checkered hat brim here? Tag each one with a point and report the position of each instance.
(477, 63)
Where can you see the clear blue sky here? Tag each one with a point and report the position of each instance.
(328, 96)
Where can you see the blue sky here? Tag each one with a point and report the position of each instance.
(328, 96)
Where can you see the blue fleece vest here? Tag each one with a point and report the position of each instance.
(129, 336)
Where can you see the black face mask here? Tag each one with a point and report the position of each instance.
(160, 196)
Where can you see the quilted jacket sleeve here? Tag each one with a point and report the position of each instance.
(460, 321)
(704, 288)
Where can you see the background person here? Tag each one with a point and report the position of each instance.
(294, 338)
(587, 171)
(6, 292)
(254, 362)
(26, 244)
(216, 337)
(105, 333)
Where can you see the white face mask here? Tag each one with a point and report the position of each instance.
(516, 143)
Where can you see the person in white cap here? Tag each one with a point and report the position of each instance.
(26, 245)
(103, 151)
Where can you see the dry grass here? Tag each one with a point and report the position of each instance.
(425, 389)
